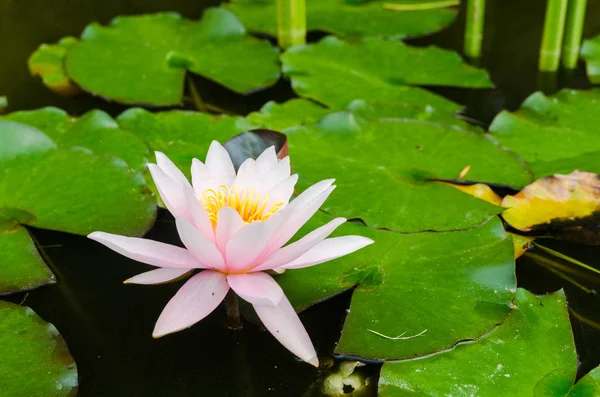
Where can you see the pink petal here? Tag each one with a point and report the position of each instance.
(328, 250)
(196, 299)
(267, 160)
(246, 245)
(157, 276)
(283, 322)
(205, 252)
(170, 169)
(227, 226)
(219, 163)
(276, 174)
(256, 288)
(248, 177)
(198, 214)
(298, 248)
(293, 217)
(282, 191)
(170, 191)
(312, 193)
(148, 251)
(202, 178)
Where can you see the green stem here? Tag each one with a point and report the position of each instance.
(233, 310)
(554, 28)
(567, 258)
(474, 28)
(426, 5)
(291, 22)
(549, 265)
(573, 33)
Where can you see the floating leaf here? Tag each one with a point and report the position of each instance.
(335, 73)
(50, 186)
(293, 113)
(343, 18)
(479, 190)
(506, 362)
(383, 171)
(35, 360)
(143, 59)
(48, 62)
(445, 287)
(21, 267)
(181, 135)
(553, 134)
(590, 51)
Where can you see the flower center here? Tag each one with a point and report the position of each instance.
(248, 204)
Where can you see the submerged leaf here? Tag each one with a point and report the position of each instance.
(35, 360)
(554, 201)
(144, 59)
(334, 72)
(454, 285)
(554, 134)
(343, 18)
(250, 144)
(506, 362)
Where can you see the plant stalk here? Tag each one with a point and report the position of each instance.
(554, 28)
(233, 310)
(474, 28)
(573, 33)
(291, 22)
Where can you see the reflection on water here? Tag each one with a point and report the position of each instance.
(108, 325)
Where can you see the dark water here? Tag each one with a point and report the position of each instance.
(108, 325)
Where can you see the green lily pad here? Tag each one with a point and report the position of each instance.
(384, 171)
(144, 59)
(449, 286)
(553, 134)
(35, 360)
(47, 184)
(505, 362)
(590, 51)
(588, 386)
(181, 135)
(22, 267)
(48, 62)
(293, 113)
(334, 73)
(343, 18)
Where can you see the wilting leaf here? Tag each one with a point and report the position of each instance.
(49, 184)
(343, 18)
(554, 201)
(35, 360)
(445, 287)
(144, 59)
(48, 62)
(506, 362)
(590, 51)
(555, 134)
(479, 190)
(334, 73)
(384, 171)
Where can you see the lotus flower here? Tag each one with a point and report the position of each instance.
(234, 227)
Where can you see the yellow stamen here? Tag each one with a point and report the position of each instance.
(247, 203)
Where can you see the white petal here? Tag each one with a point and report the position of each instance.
(170, 191)
(196, 299)
(202, 178)
(282, 192)
(328, 250)
(198, 215)
(157, 276)
(312, 193)
(246, 245)
(228, 224)
(283, 322)
(205, 252)
(248, 177)
(267, 160)
(167, 166)
(148, 251)
(298, 248)
(219, 163)
(277, 174)
(256, 288)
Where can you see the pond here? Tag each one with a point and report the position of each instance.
(107, 325)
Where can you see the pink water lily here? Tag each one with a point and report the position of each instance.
(234, 226)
